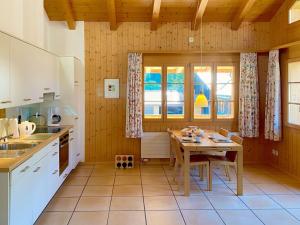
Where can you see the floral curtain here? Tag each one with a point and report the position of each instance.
(134, 96)
(273, 99)
(249, 96)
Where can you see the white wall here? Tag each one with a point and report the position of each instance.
(27, 20)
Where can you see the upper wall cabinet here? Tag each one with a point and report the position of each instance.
(27, 72)
(5, 98)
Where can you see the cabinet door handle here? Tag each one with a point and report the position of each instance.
(54, 144)
(5, 102)
(37, 169)
(66, 175)
(71, 132)
(46, 89)
(78, 154)
(25, 169)
(57, 96)
(55, 153)
(76, 118)
(55, 172)
(27, 99)
(71, 139)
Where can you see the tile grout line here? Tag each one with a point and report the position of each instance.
(145, 216)
(78, 199)
(209, 199)
(113, 186)
(181, 213)
(240, 198)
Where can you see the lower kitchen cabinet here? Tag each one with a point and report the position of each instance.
(33, 184)
(21, 199)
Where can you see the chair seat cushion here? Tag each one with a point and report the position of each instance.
(218, 158)
(198, 158)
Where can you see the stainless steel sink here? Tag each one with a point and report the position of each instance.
(17, 146)
(39, 136)
(11, 154)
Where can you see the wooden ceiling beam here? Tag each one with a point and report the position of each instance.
(155, 14)
(241, 14)
(69, 17)
(199, 13)
(112, 14)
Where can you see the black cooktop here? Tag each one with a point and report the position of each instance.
(50, 130)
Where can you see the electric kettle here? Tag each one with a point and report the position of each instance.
(26, 128)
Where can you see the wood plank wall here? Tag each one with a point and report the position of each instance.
(2, 113)
(106, 57)
(289, 148)
(285, 33)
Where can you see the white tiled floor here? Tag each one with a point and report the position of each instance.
(147, 195)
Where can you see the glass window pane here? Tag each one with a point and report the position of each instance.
(202, 75)
(294, 93)
(175, 92)
(225, 74)
(294, 72)
(294, 114)
(225, 92)
(152, 75)
(152, 92)
(202, 112)
(152, 110)
(175, 74)
(175, 110)
(225, 109)
(294, 12)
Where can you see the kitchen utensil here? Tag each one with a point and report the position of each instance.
(26, 128)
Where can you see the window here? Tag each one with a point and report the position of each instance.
(188, 91)
(175, 92)
(224, 95)
(294, 12)
(202, 92)
(153, 92)
(294, 93)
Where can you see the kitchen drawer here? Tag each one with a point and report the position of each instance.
(18, 173)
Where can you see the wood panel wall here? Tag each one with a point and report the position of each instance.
(289, 148)
(106, 57)
(286, 34)
(2, 113)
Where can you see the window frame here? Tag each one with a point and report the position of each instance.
(212, 108)
(143, 94)
(295, 23)
(287, 123)
(189, 91)
(234, 94)
(214, 116)
(185, 97)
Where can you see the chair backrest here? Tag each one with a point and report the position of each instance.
(230, 155)
(175, 145)
(224, 132)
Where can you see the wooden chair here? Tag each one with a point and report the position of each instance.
(172, 159)
(195, 160)
(228, 160)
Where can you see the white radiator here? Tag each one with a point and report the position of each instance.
(155, 145)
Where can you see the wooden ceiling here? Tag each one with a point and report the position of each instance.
(155, 11)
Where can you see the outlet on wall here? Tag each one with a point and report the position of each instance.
(274, 152)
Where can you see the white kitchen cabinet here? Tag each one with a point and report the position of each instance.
(53, 181)
(5, 97)
(73, 97)
(39, 175)
(33, 184)
(21, 197)
(25, 71)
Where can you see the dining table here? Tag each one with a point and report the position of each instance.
(207, 145)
